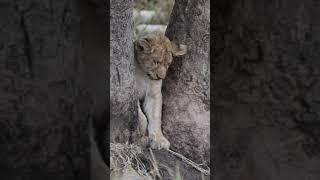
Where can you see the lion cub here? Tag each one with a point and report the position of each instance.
(153, 56)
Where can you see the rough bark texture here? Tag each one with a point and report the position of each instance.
(186, 111)
(45, 100)
(123, 99)
(267, 120)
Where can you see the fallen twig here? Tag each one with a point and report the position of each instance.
(193, 164)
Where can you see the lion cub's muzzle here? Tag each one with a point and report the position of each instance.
(156, 76)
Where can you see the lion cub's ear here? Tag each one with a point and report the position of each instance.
(144, 45)
(178, 49)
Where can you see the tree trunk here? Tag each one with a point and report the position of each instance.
(186, 118)
(123, 99)
(267, 90)
(46, 100)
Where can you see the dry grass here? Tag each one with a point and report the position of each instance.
(127, 156)
(131, 159)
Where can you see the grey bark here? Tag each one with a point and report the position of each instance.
(186, 118)
(123, 100)
(267, 88)
(46, 99)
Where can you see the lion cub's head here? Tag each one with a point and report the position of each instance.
(154, 54)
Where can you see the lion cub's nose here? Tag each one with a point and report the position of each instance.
(161, 73)
(160, 76)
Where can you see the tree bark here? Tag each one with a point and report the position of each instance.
(267, 88)
(123, 99)
(186, 118)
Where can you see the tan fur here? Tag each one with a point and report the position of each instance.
(153, 56)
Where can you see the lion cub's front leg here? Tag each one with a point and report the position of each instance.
(153, 109)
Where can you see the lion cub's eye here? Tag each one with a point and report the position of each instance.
(156, 62)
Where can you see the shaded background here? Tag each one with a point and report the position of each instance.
(266, 122)
(52, 85)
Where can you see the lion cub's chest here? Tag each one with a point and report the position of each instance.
(142, 86)
(146, 86)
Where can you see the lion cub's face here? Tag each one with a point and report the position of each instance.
(154, 54)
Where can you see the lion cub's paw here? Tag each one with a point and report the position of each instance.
(158, 141)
